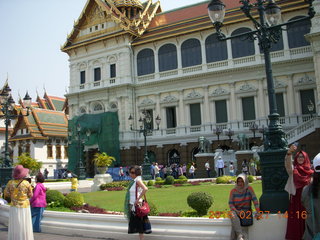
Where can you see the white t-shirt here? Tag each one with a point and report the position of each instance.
(207, 166)
(191, 169)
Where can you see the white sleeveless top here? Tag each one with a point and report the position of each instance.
(133, 190)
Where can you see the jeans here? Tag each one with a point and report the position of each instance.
(37, 214)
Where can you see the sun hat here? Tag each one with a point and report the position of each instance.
(20, 172)
(316, 163)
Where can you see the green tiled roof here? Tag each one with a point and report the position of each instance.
(58, 104)
(46, 117)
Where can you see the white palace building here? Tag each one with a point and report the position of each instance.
(127, 56)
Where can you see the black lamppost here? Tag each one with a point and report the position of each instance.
(263, 130)
(253, 127)
(80, 140)
(7, 109)
(310, 107)
(267, 31)
(145, 128)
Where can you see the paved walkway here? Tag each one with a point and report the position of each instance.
(47, 236)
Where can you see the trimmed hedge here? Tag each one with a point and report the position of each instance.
(73, 199)
(54, 197)
(200, 201)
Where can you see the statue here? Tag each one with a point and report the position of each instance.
(204, 145)
(243, 142)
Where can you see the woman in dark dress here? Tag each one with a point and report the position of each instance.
(300, 173)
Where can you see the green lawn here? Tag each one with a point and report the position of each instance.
(171, 199)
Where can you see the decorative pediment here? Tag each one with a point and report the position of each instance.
(247, 88)
(305, 80)
(147, 102)
(169, 99)
(102, 18)
(279, 84)
(219, 92)
(193, 95)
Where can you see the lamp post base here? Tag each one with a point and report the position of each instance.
(146, 171)
(5, 176)
(81, 173)
(274, 178)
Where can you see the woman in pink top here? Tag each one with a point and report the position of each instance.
(38, 203)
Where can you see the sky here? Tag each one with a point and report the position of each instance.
(31, 33)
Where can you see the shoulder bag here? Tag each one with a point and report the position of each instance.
(317, 235)
(141, 209)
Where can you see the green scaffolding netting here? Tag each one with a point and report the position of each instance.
(104, 132)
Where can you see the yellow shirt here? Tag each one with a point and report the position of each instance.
(74, 183)
(19, 192)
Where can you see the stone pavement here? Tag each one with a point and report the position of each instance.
(47, 236)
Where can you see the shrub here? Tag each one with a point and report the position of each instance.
(115, 189)
(180, 181)
(123, 184)
(200, 201)
(54, 198)
(169, 180)
(158, 186)
(153, 209)
(183, 177)
(159, 182)
(158, 179)
(150, 183)
(73, 199)
(250, 178)
(28, 162)
(225, 179)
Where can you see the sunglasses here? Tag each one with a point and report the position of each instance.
(133, 172)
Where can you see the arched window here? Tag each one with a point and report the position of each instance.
(216, 50)
(296, 32)
(241, 46)
(173, 157)
(145, 62)
(98, 107)
(82, 110)
(191, 53)
(167, 57)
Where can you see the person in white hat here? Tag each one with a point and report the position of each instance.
(311, 201)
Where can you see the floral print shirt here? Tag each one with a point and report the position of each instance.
(19, 192)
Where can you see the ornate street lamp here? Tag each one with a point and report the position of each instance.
(310, 107)
(263, 130)
(146, 128)
(229, 133)
(80, 140)
(7, 105)
(267, 31)
(253, 127)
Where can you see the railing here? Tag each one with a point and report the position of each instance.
(195, 129)
(257, 59)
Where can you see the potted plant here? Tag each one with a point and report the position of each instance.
(102, 161)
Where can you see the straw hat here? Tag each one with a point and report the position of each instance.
(20, 172)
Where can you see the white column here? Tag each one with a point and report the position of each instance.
(205, 109)
(181, 111)
(232, 106)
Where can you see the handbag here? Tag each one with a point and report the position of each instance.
(142, 209)
(246, 218)
(317, 235)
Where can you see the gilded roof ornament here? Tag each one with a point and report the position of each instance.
(128, 3)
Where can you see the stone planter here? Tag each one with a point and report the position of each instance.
(102, 170)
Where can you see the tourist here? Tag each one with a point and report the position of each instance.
(19, 191)
(192, 170)
(184, 170)
(135, 192)
(299, 176)
(121, 174)
(74, 181)
(38, 203)
(156, 170)
(240, 203)
(220, 166)
(207, 167)
(180, 172)
(252, 167)
(45, 173)
(312, 193)
(245, 168)
(164, 172)
(152, 171)
(231, 169)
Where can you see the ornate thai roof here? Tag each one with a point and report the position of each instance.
(127, 3)
(41, 124)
